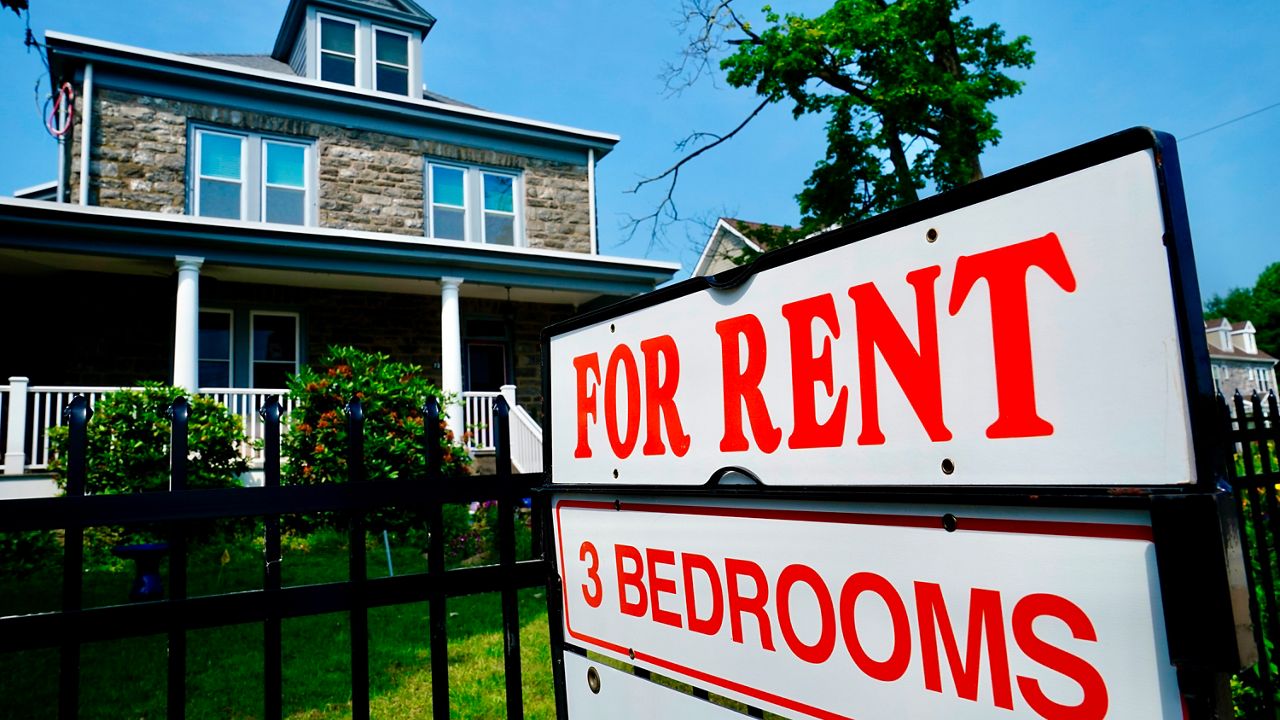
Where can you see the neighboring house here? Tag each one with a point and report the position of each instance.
(222, 219)
(1235, 361)
(728, 240)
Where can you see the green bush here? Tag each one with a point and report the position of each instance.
(128, 452)
(392, 395)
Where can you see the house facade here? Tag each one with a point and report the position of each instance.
(1236, 363)
(220, 220)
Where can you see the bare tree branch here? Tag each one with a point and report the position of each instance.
(666, 212)
(709, 20)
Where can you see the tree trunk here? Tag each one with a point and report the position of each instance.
(898, 156)
(947, 59)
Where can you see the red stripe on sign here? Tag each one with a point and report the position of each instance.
(1031, 527)
(1111, 531)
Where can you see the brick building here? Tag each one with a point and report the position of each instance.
(221, 219)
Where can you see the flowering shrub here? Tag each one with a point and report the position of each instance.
(392, 395)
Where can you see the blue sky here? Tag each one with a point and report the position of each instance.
(1179, 66)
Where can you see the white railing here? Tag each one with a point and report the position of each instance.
(526, 441)
(477, 415)
(45, 404)
(246, 402)
(31, 410)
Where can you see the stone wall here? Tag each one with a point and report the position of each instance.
(367, 181)
(1232, 376)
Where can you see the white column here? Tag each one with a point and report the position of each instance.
(15, 460)
(186, 327)
(451, 352)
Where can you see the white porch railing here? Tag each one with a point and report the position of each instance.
(526, 441)
(477, 413)
(30, 410)
(246, 402)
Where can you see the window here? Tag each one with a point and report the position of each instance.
(448, 202)
(220, 175)
(215, 349)
(273, 348)
(390, 61)
(454, 194)
(338, 50)
(354, 52)
(499, 209)
(247, 176)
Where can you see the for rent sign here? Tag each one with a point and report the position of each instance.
(1027, 339)
(874, 611)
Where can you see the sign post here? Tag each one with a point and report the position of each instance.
(930, 465)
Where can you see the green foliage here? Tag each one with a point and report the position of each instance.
(128, 443)
(25, 552)
(906, 88)
(1259, 304)
(392, 395)
(128, 452)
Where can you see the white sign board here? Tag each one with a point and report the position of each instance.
(1027, 339)
(833, 611)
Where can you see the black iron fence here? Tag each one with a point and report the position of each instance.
(73, 626)
(1252, 430)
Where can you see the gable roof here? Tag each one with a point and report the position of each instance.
(737, 230)
(404, 13)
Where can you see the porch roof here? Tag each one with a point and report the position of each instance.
(266, 249)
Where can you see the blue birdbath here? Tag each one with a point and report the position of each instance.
(146, 560)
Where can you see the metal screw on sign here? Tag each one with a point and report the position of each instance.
(631, 653)
(615, 473)
(593, 680)
(948, 466)
(932, 235)
(612, 328)
(950, 522)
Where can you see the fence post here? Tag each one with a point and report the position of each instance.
(15, 459)
(359, 616)
(437, 613)
(76, 416)
(508, 394)
(180, 417)
(272, 662)
(507, 558)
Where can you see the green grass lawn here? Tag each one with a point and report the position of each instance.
(126, 678)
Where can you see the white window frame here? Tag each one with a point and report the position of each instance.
(466, 200)
(320, 51)
(308, 187)
(297, 343)
(197, 176)
(374, 61)
(517, 229)
(231, 345)
(473, 201)
(253, 171)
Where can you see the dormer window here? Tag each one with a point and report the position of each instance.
(338, 50)
(391, 61)
(363, 54)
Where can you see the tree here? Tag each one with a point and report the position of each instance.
(906, 87)
(1259, 304)
(17, 6)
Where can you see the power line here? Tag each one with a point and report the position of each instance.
(1232, 120)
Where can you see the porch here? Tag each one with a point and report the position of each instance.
(27, 412)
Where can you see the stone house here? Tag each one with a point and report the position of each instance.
(219, 220)
(1236, 363)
